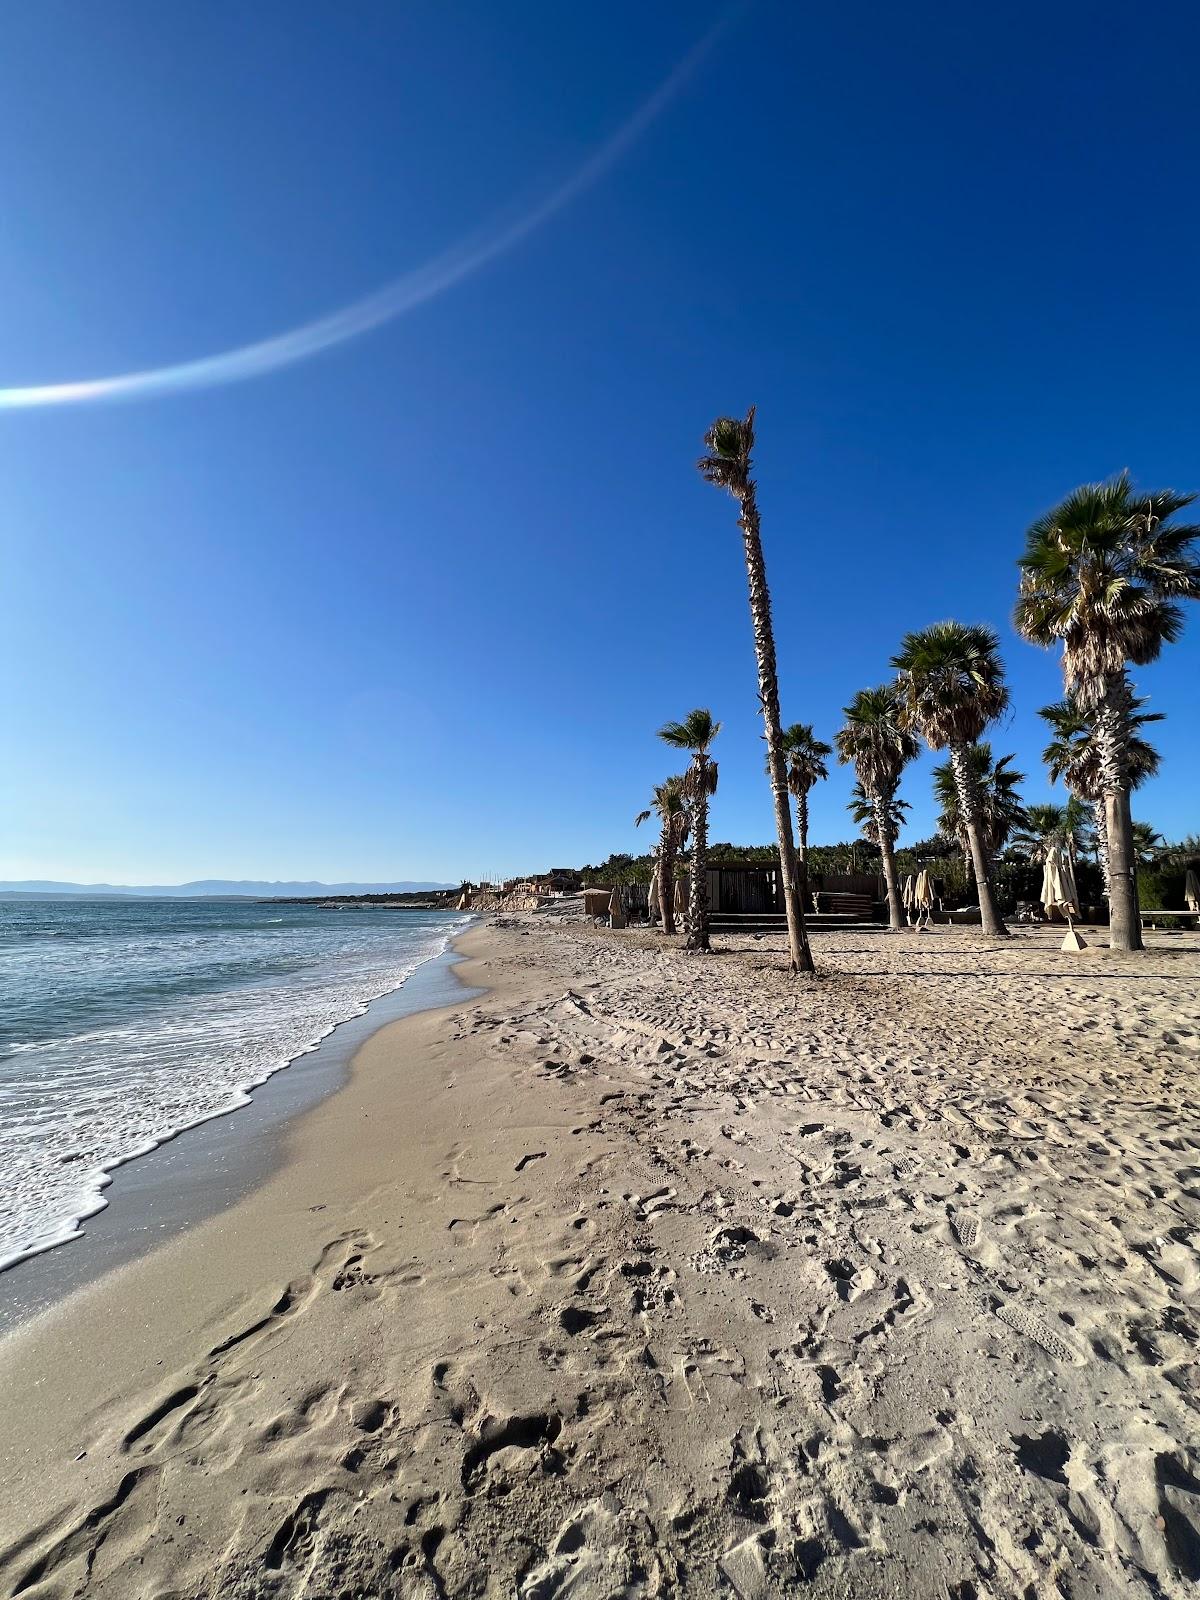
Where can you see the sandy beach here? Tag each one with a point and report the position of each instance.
(647, 1274)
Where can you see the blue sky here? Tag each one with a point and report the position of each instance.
(416, 607)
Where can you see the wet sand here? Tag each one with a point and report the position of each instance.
(647, 1274)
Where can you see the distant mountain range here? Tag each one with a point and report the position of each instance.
(209, 887)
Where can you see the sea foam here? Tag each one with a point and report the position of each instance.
(141, 1019)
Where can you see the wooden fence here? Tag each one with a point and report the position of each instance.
(872, 884)
(745, 891)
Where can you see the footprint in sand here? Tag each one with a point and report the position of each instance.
(966, 1229)
(1024, 1322)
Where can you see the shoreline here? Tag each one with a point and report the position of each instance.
(86, 1357)
(156, 1192)
(639, 1273)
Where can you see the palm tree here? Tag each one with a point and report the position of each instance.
(951, 687)
(726, 463)
(1000, 808)
(805, 755)
(1103, 573)
(694, 734)
(862, 813)
(1049, 824)
(668, 804)
(1184, 853)
(1073, 755)
(875, 739)
(1147, 844)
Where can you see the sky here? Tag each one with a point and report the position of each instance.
(414, 606)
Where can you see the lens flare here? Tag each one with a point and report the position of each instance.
(401, 295)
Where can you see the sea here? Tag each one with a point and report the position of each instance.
(124, 1022)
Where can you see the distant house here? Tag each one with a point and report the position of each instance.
(521, 894)
(546, 885)
(562, 880)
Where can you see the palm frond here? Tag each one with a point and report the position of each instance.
(1102, 574)
(950, 682)
(696, 732)
(805, 756)
(728, 444)
(875, 739)
(864, 813)
(1000, 809)
(1073, 754)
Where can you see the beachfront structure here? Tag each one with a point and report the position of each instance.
(750, 899)
(522, 894)
(557, 881)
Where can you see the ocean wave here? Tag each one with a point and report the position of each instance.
(83, 1101)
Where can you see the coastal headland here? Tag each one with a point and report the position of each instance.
(649, 1274)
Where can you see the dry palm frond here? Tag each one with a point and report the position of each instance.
(728, 444)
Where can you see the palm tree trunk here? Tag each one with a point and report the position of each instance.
(1124, 913)
(666, 882)
(697, 933)
(887, 850)
(802, 848)
(968, 805)
(1101, 825)
(799, 953)
(1112, 732)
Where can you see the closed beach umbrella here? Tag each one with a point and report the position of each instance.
(906, 893)
(680, 898)
(1058, 883)
(1191, 890)
(922, 900)
(616, 910)
(1060, 894)
(652, 898)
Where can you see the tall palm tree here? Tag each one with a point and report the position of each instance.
(668, 804)
(1103, 574)
(1000, 808)
(1073, 755)
(951, 687)
(805, 755)
(695, 734)
(726, 463)
(875, 739)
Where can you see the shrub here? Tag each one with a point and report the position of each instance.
(1160, 887)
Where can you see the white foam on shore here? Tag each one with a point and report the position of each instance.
(94, 1100)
